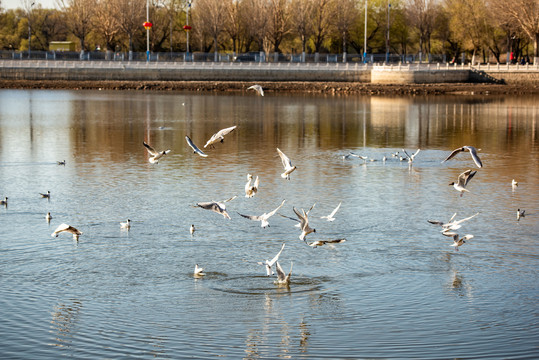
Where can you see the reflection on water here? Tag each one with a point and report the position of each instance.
(395, 288)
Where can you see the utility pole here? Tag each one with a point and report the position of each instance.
(365, 42)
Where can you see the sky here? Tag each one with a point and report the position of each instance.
(13, 4)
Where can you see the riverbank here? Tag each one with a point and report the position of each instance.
(269, 87)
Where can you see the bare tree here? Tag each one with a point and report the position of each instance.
(131, 15)
(344, 14)
(321, 18)
(278, 22)
(523, 14)
(210, 16)
(301, 23)
(255, 15)
(233, 23)
(422, 15)
(78, 17)
(105, 23)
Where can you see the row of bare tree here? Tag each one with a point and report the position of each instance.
(482, 28)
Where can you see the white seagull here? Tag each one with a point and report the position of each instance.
(154, 155)
(514, 184)
(48, 217)
(282, 278)
(257, 88)
(264, 217)
(216, 206)
(61, 163)
(4, 202)
(411, 157)
(66, 228)
(331, 217)
(458, 242)
(219, 136)
(520, 213)
(195, 148)
(199, 271)
(463, 180)
(47, 195)
(126, 225)
(364, 158)
(473, 152)
(287, 164)
(304, 224)
(192, 229)
(251, 190)
(298, 221)
(269, 263)
(315, 244)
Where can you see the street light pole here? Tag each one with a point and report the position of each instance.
(387, 35)
(365, 42)
(148, 31)
(187, 23)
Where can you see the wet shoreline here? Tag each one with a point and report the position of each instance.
(269, 87)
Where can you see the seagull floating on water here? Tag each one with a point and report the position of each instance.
(46, 196)
(219, 136)
(351, 154)
(250, 191)
(264, 217)
(463, 180)
(317, 243)
(192, 229)
(287, 164)
(195, 148)
(520, 213)
(67, 228)
(4, 202)
(514, 184)
(282, 278)
(48, 217)
(198, 271)
(269, 263)
(126, 225)
(154, 155)
(473, 151)
(61, 163)
(331, 217)
(257, 88)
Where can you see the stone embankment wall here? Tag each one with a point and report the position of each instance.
(268, 72)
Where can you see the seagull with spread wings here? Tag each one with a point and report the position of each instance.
(304, 224)
(264, 217)
(154, 154)
(257, 88)
(67, 228)
(331, 217)
(463, 181)
(282, 278)
(317, 243)
(251, 190)
(287, 164)
(219, 136)
(216, 206)
(473, 152)
(269, 263)
(195, 148)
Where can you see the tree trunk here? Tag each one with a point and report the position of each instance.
(536, 49)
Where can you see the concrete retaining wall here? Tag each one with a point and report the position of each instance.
(419, 76)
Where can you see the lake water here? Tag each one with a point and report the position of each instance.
(394, 289)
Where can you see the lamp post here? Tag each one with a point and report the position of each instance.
(30, 30)
(187, 28)
(147, 26)
(387, 35)
(365, 42)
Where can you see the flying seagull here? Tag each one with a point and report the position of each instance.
(304, 224)
(66, 228)
(330, 217)
(458, 242)
(219, 136)
(411, 157)
(463, 180)
(154, 155)
(250, 190)
(287, 164)
(264, 217)
(473, 152)
(195, 148)
(269, 263)
(364, 158)
(257, 88)
(324, 242)
(282, 278)
(298, 221)
(216, 206)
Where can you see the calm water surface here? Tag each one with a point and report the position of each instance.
(395, 289)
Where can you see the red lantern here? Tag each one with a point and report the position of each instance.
(147, 25)
(187, 27)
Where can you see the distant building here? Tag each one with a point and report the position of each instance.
(61, 46)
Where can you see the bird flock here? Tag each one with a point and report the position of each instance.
(448, 228)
